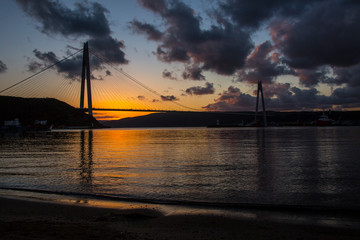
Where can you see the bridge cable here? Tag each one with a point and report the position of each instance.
(138, 82)
(41, 71)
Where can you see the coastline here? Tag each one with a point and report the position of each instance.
(24, 217)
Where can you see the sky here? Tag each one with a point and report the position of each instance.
(205, 55)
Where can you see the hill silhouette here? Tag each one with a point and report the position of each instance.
(57, 113)
(202, 119)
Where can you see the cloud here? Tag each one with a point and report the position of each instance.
(70, 68)
(154, 5)
(151, 32)
(232, 100)
(86, 19)
(263, 66)
(251, 14)
(221, 49)
(3, 67)
(208, 89)
(316, 41)
(275, 89)
(108, 48)
(308, 99)
(193, 72)
(168, 74)
(312, 77)
(326, 34)
(347, 97)
(141, 98)
(34, 66)
(169, 98)
(347, 75)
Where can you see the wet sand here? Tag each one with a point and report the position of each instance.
(26, 219)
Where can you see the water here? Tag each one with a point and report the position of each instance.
(306, 166)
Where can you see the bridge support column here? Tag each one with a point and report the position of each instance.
(85, 74)
(260, 89)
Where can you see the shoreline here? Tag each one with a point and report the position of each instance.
(118, 201)
(53, 219)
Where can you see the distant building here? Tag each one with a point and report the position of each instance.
(12, 123)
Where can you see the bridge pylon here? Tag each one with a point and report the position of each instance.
(85, 74)
(260, 89)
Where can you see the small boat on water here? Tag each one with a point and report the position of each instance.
(324, 120)
(40, 125)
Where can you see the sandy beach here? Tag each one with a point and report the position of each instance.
(27, 219)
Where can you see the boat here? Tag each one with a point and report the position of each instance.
(40, 125)
(324, 120)
(12, 127)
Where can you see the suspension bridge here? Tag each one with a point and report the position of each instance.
(116, 93)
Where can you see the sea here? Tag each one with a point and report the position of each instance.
(279, 167)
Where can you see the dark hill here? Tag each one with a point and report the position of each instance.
(177, 119)
(188, 119)
(56, 112)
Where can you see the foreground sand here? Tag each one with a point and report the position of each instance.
(21, 219)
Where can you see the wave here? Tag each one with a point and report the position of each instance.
(305, 209)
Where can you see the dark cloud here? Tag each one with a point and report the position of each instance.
(208, 89)
(49, 57)
(141, 98)
(221, 49)
(3, 67)
(232, 100)
(169, 75)
(70, 68)
(346, 97)
(34, 66)
(263, 66)
(308, 99)
(176, 53)
(336, 76)
(275, 89)
(154, 5)
(349, 76)
(251, 14)
(99, 77)
(316, 41)
(151, 32)
(312, 77)
(87, 19)
(327, 34)
(169, 98)
(109, 48)
(193, 72)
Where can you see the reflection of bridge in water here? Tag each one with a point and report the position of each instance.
(108, 98)
(86, 158)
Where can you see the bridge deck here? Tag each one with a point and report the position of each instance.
(163, 111)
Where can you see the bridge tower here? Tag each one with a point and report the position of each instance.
(260, 89)
(85, 74)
